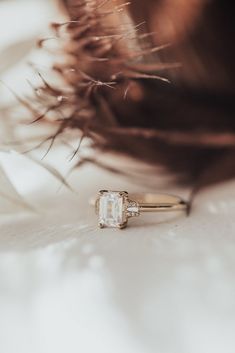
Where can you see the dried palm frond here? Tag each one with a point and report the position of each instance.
(130, 91)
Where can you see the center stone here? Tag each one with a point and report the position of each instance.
(112, 209)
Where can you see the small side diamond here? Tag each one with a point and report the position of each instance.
(133, 209)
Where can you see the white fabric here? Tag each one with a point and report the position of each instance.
(163, 285)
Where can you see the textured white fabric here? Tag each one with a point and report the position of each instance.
(163, 285)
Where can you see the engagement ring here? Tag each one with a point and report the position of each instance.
(114, 208)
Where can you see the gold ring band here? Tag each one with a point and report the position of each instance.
(114, 208)
(149, 202)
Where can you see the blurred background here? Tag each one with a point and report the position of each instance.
(165, 284)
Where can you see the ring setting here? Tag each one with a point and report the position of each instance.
(114, 208)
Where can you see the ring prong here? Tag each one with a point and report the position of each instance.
(101, 225)
(123, 193)
(122, 225)
(101, 192)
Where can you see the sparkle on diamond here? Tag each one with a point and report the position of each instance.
(112, 209)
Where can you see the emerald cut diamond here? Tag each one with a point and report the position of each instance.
(111, 208)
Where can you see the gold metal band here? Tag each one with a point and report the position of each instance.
(150, 202)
